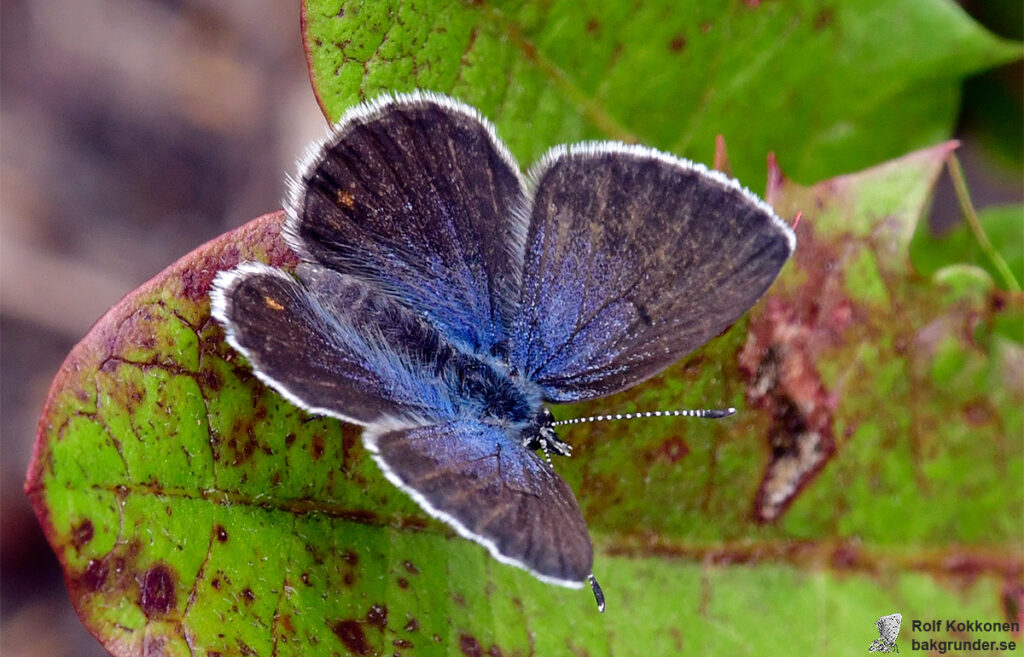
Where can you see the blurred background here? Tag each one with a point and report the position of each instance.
(133, 131)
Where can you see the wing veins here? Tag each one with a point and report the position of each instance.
(581, 326)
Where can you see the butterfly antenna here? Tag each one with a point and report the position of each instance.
(598, 593)
(710, 413)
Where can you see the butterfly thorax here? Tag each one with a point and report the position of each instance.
(502, 398)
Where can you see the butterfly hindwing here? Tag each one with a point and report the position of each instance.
(482, 481)
(633, 259)
(415, 194)
(332, 344)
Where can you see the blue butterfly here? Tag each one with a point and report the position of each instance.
(443, 298)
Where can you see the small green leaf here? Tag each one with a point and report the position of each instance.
(1004, 226)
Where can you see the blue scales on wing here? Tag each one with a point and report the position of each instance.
(414, 196)
(336, 346)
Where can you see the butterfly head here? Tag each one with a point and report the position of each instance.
(540, 434)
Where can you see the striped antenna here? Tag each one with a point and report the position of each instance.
(710, 413)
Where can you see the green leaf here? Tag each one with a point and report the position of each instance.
(876, 464)
(197, 511)
(829, 87)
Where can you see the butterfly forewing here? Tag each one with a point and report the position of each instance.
(634, 259)
(416, 195)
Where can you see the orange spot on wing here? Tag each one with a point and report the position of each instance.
(346, 198)
(272, 303)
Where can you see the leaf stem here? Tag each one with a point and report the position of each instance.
(963, 195)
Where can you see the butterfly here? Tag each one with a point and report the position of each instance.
(888, 630)
(443, 298)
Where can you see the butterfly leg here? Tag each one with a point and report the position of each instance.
(547, 454)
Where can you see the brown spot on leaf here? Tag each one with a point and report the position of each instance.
(221, 533)
(824, 18)
(529, 50)
(241, 442)
(469, 646)
(195, 283)
(847, 557)
(677, 638)
(210, 380)
(412, 522)
(593, 26)
(413, 625)
(350, 633)
(404, 644)
(350, 557)
(215, 583)
(248, 595)
(1013, 606)
(82, 534)
(154, 646)
(348, 443)
(316, 448)
(245, 649)
(677, 44)
(377, 616)
(95, 575)
(156, 591)
(403, 583)
(411, 568)
(979, 412)
(670, 451)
